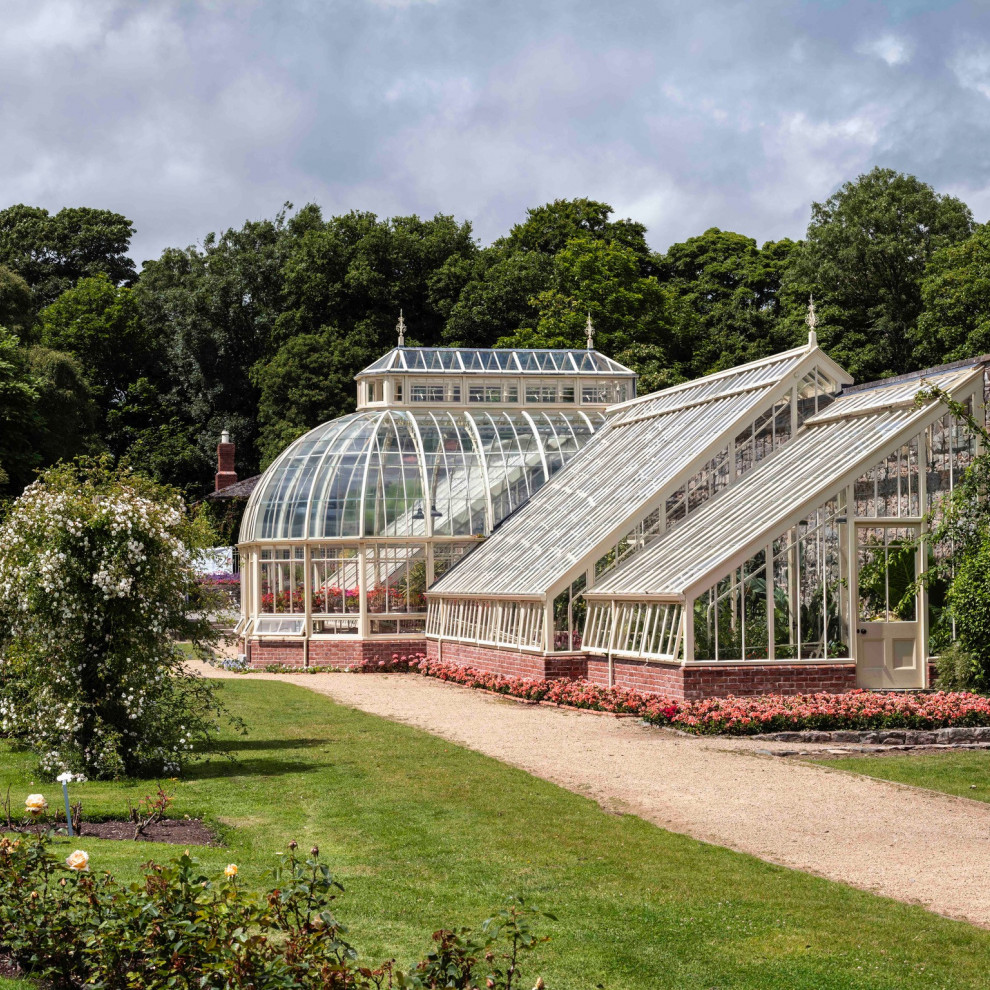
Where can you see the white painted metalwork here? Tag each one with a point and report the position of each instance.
(354, 520)
(831, 451)
(657, 454)
(487, 361)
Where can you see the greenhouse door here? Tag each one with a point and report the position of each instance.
(889, 647)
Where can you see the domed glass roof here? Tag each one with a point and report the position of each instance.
(400, 473)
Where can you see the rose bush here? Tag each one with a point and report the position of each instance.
(96, 589)
(865, 710)
(72, 927)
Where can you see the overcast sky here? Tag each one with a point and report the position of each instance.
(684, 114)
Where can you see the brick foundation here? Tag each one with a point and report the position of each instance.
(669, 679)
(290, 653)
(510, 663)
(689, 683)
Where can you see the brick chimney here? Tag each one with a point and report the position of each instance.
(226, 475)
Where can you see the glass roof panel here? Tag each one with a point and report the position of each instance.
(648, 444)
(511, 360)
(854, 430)
(603, 485)
(373, 473)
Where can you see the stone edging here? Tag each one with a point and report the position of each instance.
(885, 737)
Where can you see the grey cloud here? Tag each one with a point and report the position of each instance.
(190, 117)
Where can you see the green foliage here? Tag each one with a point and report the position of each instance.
(260, 330)
(212, 312)
(182, 927)
(959, 561)
(603, 279)
(955, 294)
(16, 302)
(46, 412)
(867, 250)
(728, 300)
(51, 253)
(956, 669)
(95, 591)
(18, 395)
(101, 325)
(533, 280)
(309, 381)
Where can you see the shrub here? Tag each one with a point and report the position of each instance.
(182, 928)
(956, 668)
(96, 587)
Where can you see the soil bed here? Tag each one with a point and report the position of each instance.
(9, 969)
(175, 831)
(178, 831)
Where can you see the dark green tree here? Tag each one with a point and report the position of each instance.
(66, 415)
(866, 253)
(51, 253)
(212, 314)
(355, 272)
(16, 302)
(18, 397)
(508, 277)
(729, 298)
(101, 325)
(46, 413)
(309, 381)
(955, 293)
(603, 279)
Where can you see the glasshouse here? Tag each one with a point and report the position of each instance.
(348, 528)
(751, 531)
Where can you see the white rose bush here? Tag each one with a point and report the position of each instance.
(96, 589)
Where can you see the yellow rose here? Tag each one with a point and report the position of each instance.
(36, 804)
(231, 870)
(79, 860)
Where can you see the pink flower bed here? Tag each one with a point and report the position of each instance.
(864, 710)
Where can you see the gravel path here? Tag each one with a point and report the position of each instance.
(913, 845)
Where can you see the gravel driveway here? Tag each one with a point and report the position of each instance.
(913, 845)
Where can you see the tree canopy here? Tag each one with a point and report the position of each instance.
(260, 329)
(866, 253)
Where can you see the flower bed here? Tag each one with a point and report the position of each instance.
(855, 710)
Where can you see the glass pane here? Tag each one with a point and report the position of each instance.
(887, 560)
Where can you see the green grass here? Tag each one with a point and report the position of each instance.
(423, 834)
(964, 772)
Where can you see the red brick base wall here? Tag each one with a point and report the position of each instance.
(709, 681)
(329, 652)
(509, 663)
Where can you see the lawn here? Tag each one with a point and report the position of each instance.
(423, 833)
(963, 772)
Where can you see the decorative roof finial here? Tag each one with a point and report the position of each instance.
(401, 330)
(590, 330)
(812, 322)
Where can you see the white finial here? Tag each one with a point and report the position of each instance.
(812, 322)
(224, 437)
(590, 330)
(401, 329)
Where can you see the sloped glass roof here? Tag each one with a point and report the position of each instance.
(746, 377)
(832, 449)
(647, 448)
(412, 473)
(488, 361)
